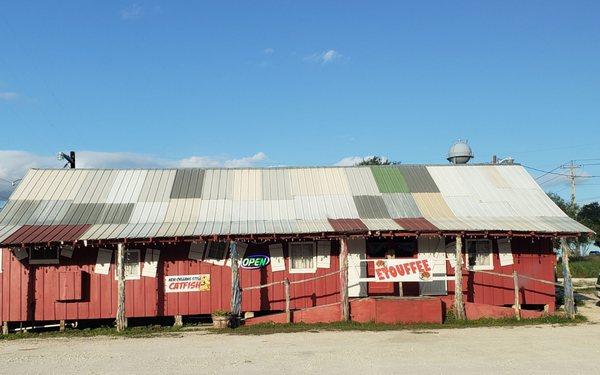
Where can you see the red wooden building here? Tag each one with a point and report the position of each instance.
(60, 230)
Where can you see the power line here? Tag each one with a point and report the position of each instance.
(558, 174)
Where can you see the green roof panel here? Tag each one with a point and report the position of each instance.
(389, 179)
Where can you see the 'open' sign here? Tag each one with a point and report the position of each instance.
(255, 261)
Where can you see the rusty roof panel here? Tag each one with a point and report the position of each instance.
(418, 224)
(348, 225)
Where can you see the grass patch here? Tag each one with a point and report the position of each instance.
(133, 332)
(586, 267)
(451, 322)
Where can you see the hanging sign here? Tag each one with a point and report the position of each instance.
(252, 262)
(403, 270)
(187, 283)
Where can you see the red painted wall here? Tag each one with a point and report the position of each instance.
(533, 258)
(29, 293)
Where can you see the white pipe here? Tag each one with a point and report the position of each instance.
(73, 325)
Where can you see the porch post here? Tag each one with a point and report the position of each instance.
(459, 308)
(344, 279)
(120, 269)
(567, 282)
(236, 294)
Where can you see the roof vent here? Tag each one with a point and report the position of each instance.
(460, 152)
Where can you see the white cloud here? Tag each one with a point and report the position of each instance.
(325, 57)
(268, 51)
(8, 96)
(14, 164)
(132, 12)
(352, 160)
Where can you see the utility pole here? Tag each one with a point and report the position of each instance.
(572, 167)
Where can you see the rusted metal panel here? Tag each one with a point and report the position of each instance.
(348, 225)
(45, 233)
(418, 224)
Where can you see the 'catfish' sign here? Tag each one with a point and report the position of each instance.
(253, 262)
(403, 270)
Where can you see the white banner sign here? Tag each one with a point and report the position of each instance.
(187, 283)
(387, 270)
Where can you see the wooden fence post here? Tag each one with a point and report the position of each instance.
(5, 328)
(567, 282)
(459, 307)
(120, 268)
(288, 313)
(344, 279)
(517, 305)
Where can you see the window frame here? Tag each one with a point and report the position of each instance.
(312, 269)
(44, 261)
(479, 267)
(215, 261)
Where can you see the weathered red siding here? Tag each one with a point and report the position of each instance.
(33, 292)
(29, 293)
(532, 257)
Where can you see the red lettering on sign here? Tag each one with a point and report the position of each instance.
(426, 265)
(400, 269)
(413, 267)
(393, 271)
(380, 274)
(407, 268)
(420, 266)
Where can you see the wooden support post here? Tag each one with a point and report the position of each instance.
(120, 269)
(178, 321)
(61, 326)
(5, 328)
(459, 307)
(517, 305)
(567, 282)
(288, 313)
(344, 279)
(236, 293)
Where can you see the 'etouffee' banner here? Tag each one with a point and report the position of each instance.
(403, 270)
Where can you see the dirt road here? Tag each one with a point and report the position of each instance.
(536, 349)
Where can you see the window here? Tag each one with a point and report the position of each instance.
(43, 255)
(132, 265)
(216, 252)
(303, 257)
(480, 255)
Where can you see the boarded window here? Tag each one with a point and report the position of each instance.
(480, 254)
(303, 257)
(132, 265)
(43, 255)
(216, 253)
(276, 254)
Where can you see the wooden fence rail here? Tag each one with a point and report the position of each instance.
(286, 283)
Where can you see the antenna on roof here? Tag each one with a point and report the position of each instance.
(460, 152)
(69, 158)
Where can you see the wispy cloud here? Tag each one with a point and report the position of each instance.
(16, 163)
(268, 51)
(8, 96)
(352, 160)
(132, 12)
(325, 57)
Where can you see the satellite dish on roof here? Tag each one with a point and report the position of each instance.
(460, 152)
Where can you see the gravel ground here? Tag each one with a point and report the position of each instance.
(533, 349)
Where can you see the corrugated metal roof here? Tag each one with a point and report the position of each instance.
(117, 204)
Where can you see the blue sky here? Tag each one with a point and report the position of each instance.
(157, 83)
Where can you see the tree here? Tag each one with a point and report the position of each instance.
(377, 160)
(589, 215)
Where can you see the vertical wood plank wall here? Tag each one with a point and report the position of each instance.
(31, 293)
